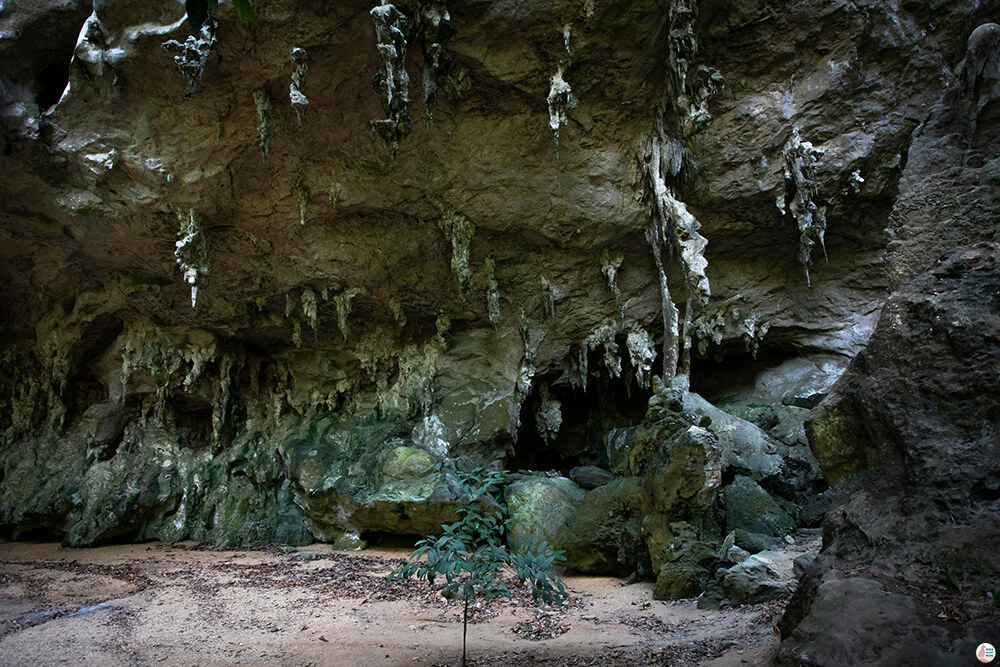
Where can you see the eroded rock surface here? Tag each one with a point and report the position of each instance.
(909, 437)
(232, 317)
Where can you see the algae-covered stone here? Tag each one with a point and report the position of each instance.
(679, 580)
(755, 542)
(605, 535)
(539, 509)
(407, 474)
(684, 474)
(751, 508)
(618, 444)
(682, 561)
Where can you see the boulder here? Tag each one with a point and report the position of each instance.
(754, 579)
(682, 561)
(855, 621)
(751, 508)
(605, 535)
(745, 448)
(911, 428)
(908, 439)
(590, 477)
(540, 508)
(755, 542)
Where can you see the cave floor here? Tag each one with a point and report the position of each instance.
(156, 604)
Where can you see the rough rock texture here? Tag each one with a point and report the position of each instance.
(539, 508)
(910, 436)
(913, 425)
(750, 508)
(232, 316)
(752, 580)
(854, 621)
(605, 535)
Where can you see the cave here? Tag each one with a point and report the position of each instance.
(587, 414)
(52, 81)
(733, 263)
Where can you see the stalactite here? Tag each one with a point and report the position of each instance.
(604, 337)
(437, 28)
(801, 191)
(548, 298)
(548, 414)
(391, 82)
(305, 194)
(642, 354)
(343, 303)
(560, 101)
(693, 84)
(192, 55)
(397, 312)
(191, 252)
(459, 231)
(611, 264)
(655, 239)
(493, 295)
(671, 224)
(296, 92)
(310, 307)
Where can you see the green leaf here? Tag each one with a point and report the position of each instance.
(245, 10)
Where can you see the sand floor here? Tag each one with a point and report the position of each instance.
(154, 604)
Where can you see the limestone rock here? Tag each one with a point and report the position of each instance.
(345, 319)
(590, 477)
(753, 580)
(745, 448)
(755, 542)
(908, 439)
(682, 561)
(540, 507)
(605, 535)
(848, 620)
(751, 508)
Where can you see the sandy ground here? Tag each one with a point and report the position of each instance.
(153, 604)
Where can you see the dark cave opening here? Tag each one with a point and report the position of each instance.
(34, 533)
(732, 373)
(52, 80)
(384, 540)
(587, 417)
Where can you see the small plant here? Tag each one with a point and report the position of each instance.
(471, 554)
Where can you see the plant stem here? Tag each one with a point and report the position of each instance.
(465, 627)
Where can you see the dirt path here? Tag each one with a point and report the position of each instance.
(182, 605)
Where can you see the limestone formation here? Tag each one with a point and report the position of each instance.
(635, 306)
(295, 91)
(191, 252)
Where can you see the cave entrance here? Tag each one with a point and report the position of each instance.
(586, 417)
(384, 540)
(778, 375)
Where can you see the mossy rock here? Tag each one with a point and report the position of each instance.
(751, 508)
(680, 580)
(605, 536)
(540, 507)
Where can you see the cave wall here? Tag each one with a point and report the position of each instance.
(239, 314)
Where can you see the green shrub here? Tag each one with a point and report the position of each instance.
(471, 554)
